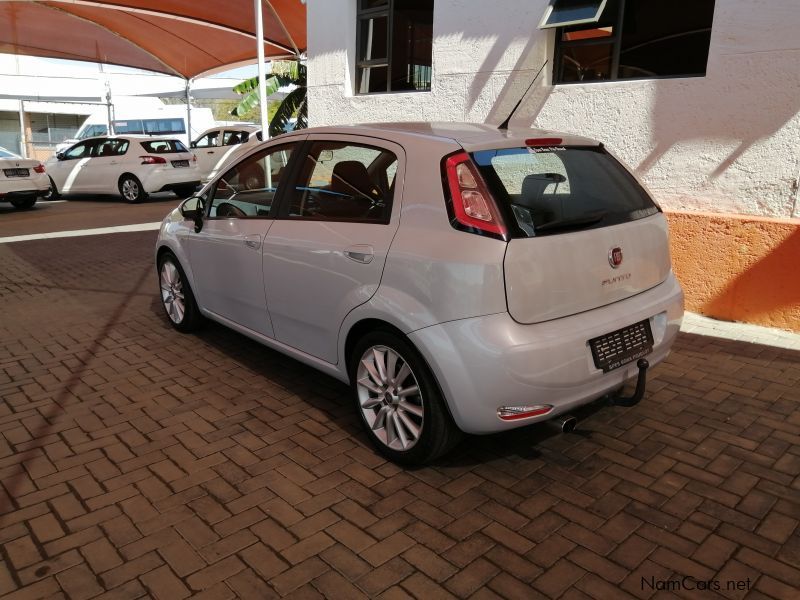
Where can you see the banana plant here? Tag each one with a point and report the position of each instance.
(284, 73)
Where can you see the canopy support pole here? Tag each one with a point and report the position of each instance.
(189, 135)
(262, 84)
(23, 143)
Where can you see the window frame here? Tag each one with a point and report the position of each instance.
(363, 14)
(614, 40)
(294, 173)
(296, 145)
(549, 11)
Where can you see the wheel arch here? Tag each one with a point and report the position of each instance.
(367, 324)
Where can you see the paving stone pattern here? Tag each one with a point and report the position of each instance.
(139, 462)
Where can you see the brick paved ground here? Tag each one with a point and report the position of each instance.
(136, 461)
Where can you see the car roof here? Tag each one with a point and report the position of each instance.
(471, 136)
(133, 138)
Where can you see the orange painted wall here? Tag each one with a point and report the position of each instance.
(738, 268)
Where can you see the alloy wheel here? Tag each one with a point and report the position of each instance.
(390, 398)
(172, 292)
(130, 190)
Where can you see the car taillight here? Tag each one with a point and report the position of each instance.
(473, 205)
(153, 160)
(39, 168)
(194, 158)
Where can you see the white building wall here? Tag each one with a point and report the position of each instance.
(727, 142)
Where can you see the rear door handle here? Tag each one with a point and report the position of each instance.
(360, 253)
(252, 241)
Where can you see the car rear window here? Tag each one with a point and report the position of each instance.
(555, 189)
(164, 146)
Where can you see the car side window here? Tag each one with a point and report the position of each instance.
(232, 137)
(208, 140)
(111, 148)
(249, 188)
(83, 150)
(342, 181)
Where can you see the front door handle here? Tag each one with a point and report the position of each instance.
(252, 241)
(360, 253)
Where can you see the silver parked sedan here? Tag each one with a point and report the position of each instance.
(460, 278)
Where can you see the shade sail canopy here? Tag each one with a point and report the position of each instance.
(186, 38)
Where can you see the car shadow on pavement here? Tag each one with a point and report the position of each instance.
(332, 397)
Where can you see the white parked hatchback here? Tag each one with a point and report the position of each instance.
(22, 181)
(132, 167)
(460, 278)
(216, 146)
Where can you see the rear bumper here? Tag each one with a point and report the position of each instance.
(487, 362)
(22, 188)
(167, 179)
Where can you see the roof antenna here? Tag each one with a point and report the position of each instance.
(504, 124)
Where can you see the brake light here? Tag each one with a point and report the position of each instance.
(544, 142)
(39, 168)
(153, 160)
(194, 158)
(473, 205)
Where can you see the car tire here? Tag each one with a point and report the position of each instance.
(23, 203)
(177, 297)
(53, 195)
(131, 190)
(185, 192)
(415, 427)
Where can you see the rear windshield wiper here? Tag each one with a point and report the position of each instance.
(577, 222)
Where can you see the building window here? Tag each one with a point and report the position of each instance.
(394, 46)
(600, 40)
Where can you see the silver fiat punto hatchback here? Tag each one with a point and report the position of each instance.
(460, 278)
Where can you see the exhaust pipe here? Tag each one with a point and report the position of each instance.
(564, 423)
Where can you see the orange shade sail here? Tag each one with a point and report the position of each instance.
(186, 38)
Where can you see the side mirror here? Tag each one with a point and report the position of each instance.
(193, 145)
(60, 155)
(192, 210)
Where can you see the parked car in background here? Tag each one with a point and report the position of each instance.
(458, 277)
(132, 167)
(143, 117)
(216, 145)
(22, 181)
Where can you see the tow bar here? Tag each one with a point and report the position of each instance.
(638, 393)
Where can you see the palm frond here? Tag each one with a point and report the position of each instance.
(295, 102)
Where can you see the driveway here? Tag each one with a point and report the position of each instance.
(136, 461)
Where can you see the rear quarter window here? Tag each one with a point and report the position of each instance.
(548, 190)
(163, 146)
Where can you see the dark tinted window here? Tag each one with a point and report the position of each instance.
(348, 182)
(131, 126)
(249, 188)
(555, 189)
(233, 137)
(163, 126)
(637, 39)
(395, 46)
(163, 146)
(111, 148)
